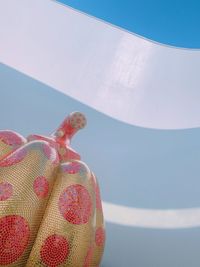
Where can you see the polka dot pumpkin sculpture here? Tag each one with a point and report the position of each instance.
(50, 206)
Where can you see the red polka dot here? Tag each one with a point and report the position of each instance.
(75, 204)
(50, 153)
(47, 150)
(72, 167)
(98, 198)
(55, 250)
(100, 236)
(41, 186)
(6, 190)
(11, 138)
(14, 237)
(13, 158)
(88, 257)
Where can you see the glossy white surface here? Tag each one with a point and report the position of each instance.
(151, 218)
(120, 74)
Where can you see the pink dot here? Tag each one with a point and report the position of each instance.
(100, 236)
(88, 257)
(47, 150)
(14, 237)
(6, 190)
(72, 167)
(55, 250)
(11, 138)
(75, 204)
(98, 198)
(50, 153)
(13, 158)
(41, 186)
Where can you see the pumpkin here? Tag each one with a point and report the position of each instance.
(50, 205)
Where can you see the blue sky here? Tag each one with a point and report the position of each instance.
(172, 22)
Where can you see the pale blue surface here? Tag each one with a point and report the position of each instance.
(136, 167)
(174, 22)
(135, 247)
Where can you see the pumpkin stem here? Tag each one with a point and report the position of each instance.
(72, 123)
